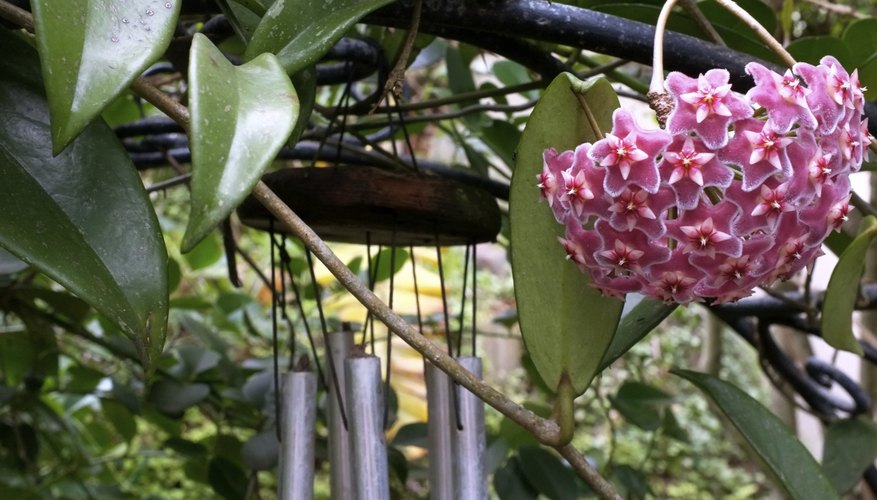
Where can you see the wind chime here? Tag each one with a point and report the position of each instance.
(396, 210)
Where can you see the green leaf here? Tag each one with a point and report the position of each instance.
(226, 478)
(382, 261)
(120, 417)
(861, 40)
(545, 472)
(82, 217)
(305, 84)
(843, 289)
(91, 50)
(261, 451)
(241, 117)
(633, 481)
(173, 398)
(207, 252)
(782, 454)
(634, 326)
(811, 49)
(566, 324)
(510, 484)
(301, 31)
(413, 434)
(641, 404)
(850, 447)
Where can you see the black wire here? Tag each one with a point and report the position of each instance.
(332, 371)
(463, 302)
(474, 297)
(275, 357)
(291, 341)
(389, 331)
(304, 319)
(416, 290)
(455, 397)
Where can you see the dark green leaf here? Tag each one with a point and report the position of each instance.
(811, 49)
(173, 398)
(197, 360)
(83, 217)
(634, 326)
(566, 324)
(510, 484)
(120, 417)
(398, 464)
(186, 447)
(241, 117)
(860, 37)
(843, 288)
(641, 404)
(414, 434)
(227, 479)
(545, 472)
(633, 481)
(850, 448)
(261, 451)
(301, 31)
(502, 138)
(383, 259)
(305, 84)
(16, 356)
(784, 457)
(58, 303)
(91, 50)
(206, 253)
(671, 427)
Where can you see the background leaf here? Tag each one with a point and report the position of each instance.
(635, 324)
(91, 51)
(850, 448)
(241, 117)
(566, 324)
(63, 214)
(843, 289)
(301, 31)
(783, 455)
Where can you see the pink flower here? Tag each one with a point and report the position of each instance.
(705, 106)
(628, 154)
(688, 167)
(784, 98)
(727, 201)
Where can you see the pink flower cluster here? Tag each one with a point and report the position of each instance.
(738, 192)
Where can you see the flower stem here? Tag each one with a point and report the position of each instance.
(657, 83)
(759, 30)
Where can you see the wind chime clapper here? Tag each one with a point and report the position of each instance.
(398, 208)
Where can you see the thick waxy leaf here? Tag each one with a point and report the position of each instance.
(241, 117)
(785, 458)
(301, 31)
(545, 472)
(843, 289)
(567, 325)
(82, 217)
(850, 447)
(91, 50)
(635, 324)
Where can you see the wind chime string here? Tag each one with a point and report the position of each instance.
(274, 342)
(416, 290)
(463, 302)
(333, 374)
(474, 298)
(286, 261)
(390, 332)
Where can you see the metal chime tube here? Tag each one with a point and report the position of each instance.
(298, 417)
(439, 426)
(365, 409)
(469, 443)
(340, 471)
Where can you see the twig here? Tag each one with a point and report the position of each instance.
(759, 30)
(690, 6)
(597, 482)
(397, 74)
(844, 10)
(17, 16)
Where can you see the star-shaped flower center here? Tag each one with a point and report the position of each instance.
(766, 146)
(622, 256)
(792, 90)
(839, 87)
(772, 203)
(734, 269)
(687, 163)
(623, 153)
(634, 204)
(703, 237)
(708, 100)
(839, 214)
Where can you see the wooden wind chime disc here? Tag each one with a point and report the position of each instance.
(356, 204)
